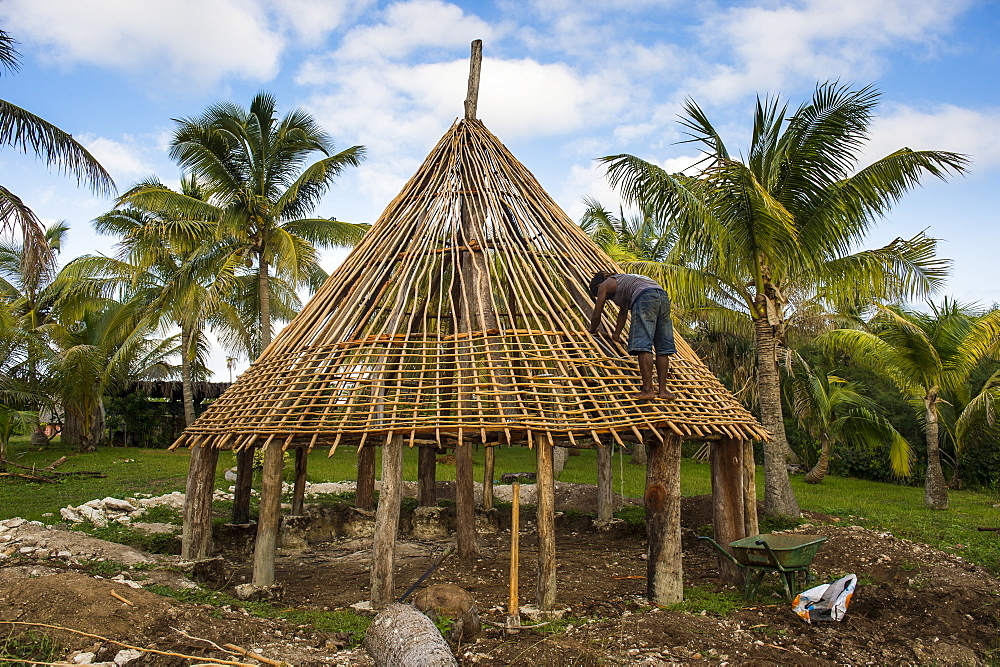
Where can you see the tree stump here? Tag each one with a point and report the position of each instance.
(451, 602)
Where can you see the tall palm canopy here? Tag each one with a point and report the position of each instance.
(181, 277)
(261, 188)
(462, 313)
(787, 217)
(929, 356)
(27, 133)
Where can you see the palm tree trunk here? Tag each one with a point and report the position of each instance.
(186, 384)
(264, 290)
(935, 489)
(816, 475)
(779, 499)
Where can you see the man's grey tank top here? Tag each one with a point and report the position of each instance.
(630, 286)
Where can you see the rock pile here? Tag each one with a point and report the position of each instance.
(102, 512)
(35, 540)
(125, 511)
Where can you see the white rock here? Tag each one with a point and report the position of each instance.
(15, 522)
(93, 515)
(126, 656)
(231, 475)
(28, 550)
(83, 658)
(70, 514)
(118, 504)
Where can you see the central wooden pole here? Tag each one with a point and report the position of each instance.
(465, 501)
(475, 67)
(427, 476)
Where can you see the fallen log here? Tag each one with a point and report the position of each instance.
(58, 462)
(33, 478)
(401, 635)
(53, 474)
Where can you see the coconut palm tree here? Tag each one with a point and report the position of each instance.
(927, 355)
(26, 132)
(261, 187)
(832, 411)
(785, 219)
(174, 267)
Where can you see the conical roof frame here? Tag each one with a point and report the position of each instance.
(462, 312)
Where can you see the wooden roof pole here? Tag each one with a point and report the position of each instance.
(475, 67)
(472, 277)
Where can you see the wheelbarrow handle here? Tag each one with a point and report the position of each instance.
(721, 550)
(771, 555)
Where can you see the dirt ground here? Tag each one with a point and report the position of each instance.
(913, 605)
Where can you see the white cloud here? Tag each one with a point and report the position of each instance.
(773, 46)
(123, 160)
(587, 180)
(418, 24)
(201, 40)
(311, 21)
(944, 128)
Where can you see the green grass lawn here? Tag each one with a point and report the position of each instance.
(891, 507)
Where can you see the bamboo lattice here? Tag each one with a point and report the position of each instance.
(462, 313)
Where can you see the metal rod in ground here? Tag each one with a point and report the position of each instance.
(514, 610)
(430, 570)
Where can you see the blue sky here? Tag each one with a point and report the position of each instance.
(563, 82)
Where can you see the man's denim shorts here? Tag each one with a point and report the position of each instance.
(651, 326)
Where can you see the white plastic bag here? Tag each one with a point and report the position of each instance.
(826, 602)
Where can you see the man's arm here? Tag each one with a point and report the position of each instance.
(620, 324)
(602, 298)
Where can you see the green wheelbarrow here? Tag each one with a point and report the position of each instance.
(788, 555)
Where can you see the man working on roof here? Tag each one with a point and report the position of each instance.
(651, 326)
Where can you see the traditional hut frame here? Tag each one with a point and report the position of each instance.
(462, 316)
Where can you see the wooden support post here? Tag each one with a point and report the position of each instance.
(488, 465)
(196, 541)
(364, 495)
(387, 524)
(605, 495)
(269, 516)
(664, 571)
(727, 502)
(244, 483)
(475, 67)
(427, 476)
(299, 491)
(749, 490)
(465, 501)
(545, 510)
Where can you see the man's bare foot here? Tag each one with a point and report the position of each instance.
(645, 395)
(667, 395)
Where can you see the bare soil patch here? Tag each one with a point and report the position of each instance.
(914, 604)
